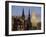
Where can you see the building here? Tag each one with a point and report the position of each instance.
(35, 20)
(31, 23)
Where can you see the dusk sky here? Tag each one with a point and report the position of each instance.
(17, 10)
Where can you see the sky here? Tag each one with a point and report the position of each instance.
(17, 10)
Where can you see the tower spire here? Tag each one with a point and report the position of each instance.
(23, 13)
(29, 21)
(29, 15)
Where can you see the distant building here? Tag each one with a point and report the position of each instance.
(35, 20)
